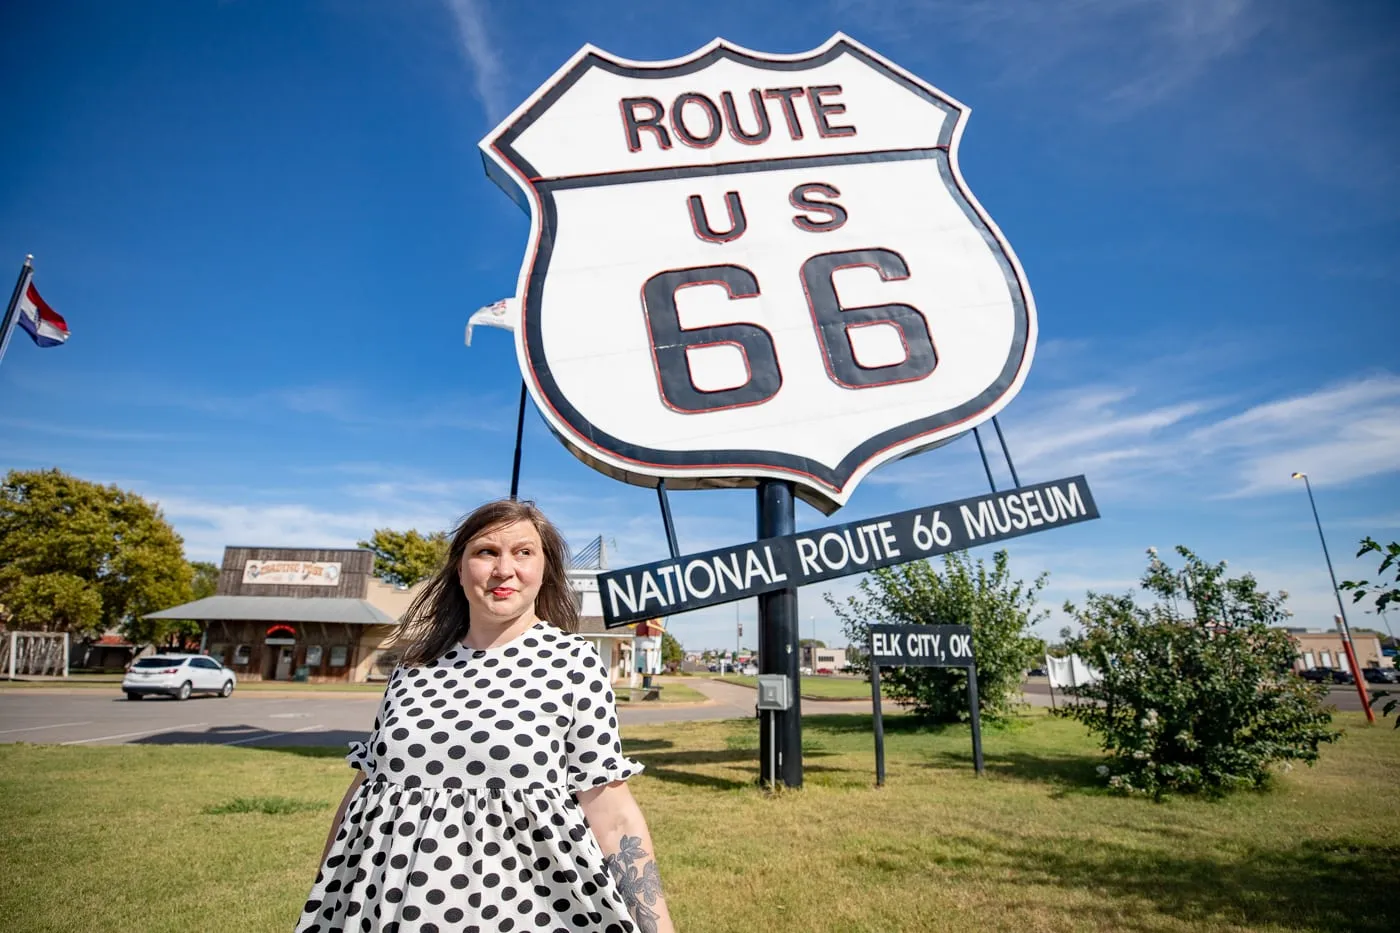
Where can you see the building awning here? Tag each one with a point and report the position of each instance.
(278, 609)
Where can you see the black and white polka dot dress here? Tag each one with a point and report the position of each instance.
(467, 820)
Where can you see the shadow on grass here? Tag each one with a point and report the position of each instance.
(848, 723)
(672, 767)
(1064, 772)
(1319, 884)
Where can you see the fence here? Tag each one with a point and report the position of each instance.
(34, 654)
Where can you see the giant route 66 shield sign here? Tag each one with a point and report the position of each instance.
(746, 265)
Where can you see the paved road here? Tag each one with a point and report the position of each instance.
(90, 716)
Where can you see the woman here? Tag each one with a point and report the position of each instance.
(491, 794)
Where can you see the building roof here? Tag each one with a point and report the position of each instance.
(593, 625)
(278, 609)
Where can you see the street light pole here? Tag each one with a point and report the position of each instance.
(1325, 556)
(1343, 624)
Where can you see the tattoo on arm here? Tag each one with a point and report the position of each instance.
(639, 887)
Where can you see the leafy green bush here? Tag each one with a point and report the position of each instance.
(999, 610)
(1198, 692)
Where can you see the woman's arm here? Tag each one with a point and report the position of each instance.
(340, 813)
(622, 834)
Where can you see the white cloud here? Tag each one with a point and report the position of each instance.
(1118, 55)
(80, 432)
(1337, 434)
(1137, 448)
(481, 56)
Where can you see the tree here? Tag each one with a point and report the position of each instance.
(999, 610)
(1198, 690)
(814, 642)
(1060, 649)
(176, 633)
(405, 557)
(671, 653)
(1383, 594)
(205, 579)
(83, 558)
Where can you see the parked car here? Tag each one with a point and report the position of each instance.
(1380, 675)
(1325, 675)
(179, 676)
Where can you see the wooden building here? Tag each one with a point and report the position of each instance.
(314, 614)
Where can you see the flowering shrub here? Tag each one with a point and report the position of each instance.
(1198, 692)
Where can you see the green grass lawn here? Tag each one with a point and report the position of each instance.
(672, 691)
(169, 838)
(818, 688)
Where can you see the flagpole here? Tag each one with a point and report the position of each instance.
(11, 312)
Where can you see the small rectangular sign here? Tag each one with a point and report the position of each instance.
(292, 572)
(921, 645)
(680, 584)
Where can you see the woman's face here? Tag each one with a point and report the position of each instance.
(501, 572)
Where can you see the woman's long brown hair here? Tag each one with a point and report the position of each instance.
(440, 616)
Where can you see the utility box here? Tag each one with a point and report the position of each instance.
(774, 691)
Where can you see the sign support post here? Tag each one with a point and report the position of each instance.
(519, 439)
(923, 646)
(781, 743)
(973, 708)
(879, 716)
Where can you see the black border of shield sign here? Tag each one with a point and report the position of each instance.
(922, 646)
(816, 483)
(668, 587)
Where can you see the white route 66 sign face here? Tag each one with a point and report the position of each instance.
(747, 265)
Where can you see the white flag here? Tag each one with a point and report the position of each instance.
(503, 314)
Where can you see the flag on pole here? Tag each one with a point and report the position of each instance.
(504, 314)
(43, 324)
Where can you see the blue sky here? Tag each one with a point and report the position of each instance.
(266, 224)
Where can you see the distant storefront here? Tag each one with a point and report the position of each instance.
(320, 615)
(1323, 648)
(314, 614)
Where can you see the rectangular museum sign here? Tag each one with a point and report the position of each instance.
(680, 584)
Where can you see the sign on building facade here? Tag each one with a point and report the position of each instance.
(292, 572)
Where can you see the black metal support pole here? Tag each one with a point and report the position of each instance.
(519, 437)
(982, 451)
(666, 518)
(777, 627)
(879, 717)
(976, 718)
(1006, 452)
(12, 308)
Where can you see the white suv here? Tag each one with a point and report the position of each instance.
(178, 676)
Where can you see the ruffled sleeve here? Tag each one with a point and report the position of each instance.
(361, 756)
(594, 746)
